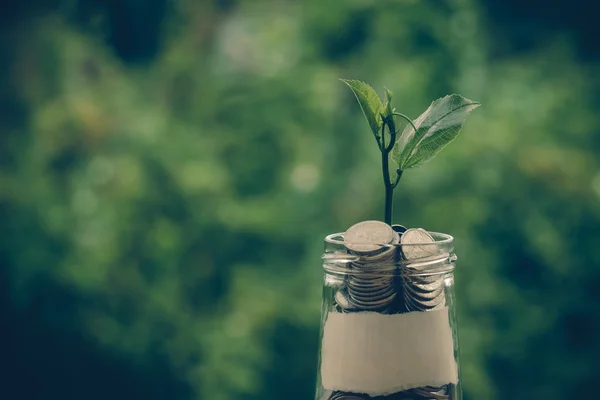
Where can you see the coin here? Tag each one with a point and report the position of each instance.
(396, 238)
(379, 300)
(411, 239)
(341, 298)
(368, 236)
(425, 290)
(385, 254)
(423, 296)
(413, 304)
(370, 292)
(374, 292)
(373, 305)
(369, 280)
(428, 281)
(371, 297)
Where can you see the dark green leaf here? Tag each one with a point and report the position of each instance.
(388, 103)
(369, 102)
(436, 127)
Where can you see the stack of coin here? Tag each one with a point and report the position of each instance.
(368, 289)
(421, 292)
(371, 240)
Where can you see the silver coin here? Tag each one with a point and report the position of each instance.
(396, 238)
(376, 282)
(372, 298)
(368, 286)
(427, 282)
(367, 276)
(426, 288)
(377, 303)
(423, 296)
(376, 260)
(370, 295)
(373, 305)
(427, 304)
(411, 239)
(341, 298)
(370, 292)
(414, 305)
(368, 236)
(424, 301)
(385, 254)
(421, 279)
(374, 292)
(421, 292)
(369, 281)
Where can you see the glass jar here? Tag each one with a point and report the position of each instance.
(388, 327)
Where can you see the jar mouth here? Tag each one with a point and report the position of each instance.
(337, 239)
(425, 258)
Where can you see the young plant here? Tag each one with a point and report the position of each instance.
(420, 140)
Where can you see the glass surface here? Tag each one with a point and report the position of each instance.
(388, 325)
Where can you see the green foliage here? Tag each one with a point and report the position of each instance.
(435, 128)
(165, 221)
(420, 141)
(387, 107)
(370, 103)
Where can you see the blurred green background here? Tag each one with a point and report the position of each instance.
(168, 170)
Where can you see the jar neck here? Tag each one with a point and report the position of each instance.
(430, 258)
(340, 264)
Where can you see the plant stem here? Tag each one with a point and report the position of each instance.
(385, 166)
(407, 120)
(398, 176)
(389, 188)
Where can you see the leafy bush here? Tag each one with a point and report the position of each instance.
(163, 221)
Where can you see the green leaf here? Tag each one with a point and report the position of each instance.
(369, 102)
(436, 127)
(388, 103)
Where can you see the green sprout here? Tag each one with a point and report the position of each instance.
(420, 140)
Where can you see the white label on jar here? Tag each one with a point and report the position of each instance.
(378, 354)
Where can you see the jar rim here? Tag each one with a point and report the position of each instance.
(440, 239)
(435, 257)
